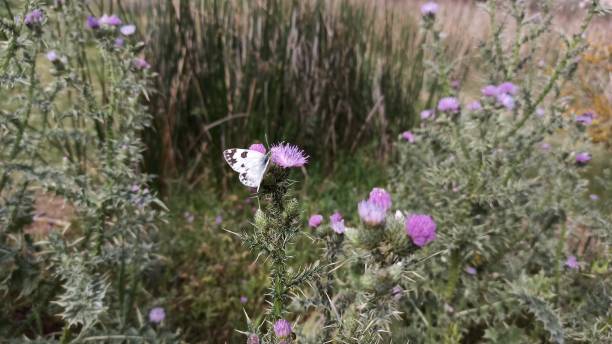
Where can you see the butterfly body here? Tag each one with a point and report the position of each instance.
(251, 165)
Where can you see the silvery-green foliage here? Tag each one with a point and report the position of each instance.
(70, 131)
(506, 204)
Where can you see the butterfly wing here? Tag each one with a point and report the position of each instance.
(251, 165)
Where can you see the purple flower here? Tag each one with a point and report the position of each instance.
(337, 223)
(218, 219)
(119, 42)
(425, 114)
(471, 270)
(572, 263)
(93, 23)
(507, 88)
(258, 147)
(282, 328)
(583, 158)
(397, 292)
(594, 197)
(34, 18)
(157, 315)
(253, 339)
(449, 104)
(474, 106)
(286, 156)
(315, 220)
(540, 112)
(585, 119)
(111, 20)
(141, 63)
(128, 30)
(545, 146)
(490, 91)
(244, 299)
(381, 198)
(188, 217)
(371, 213)
(429, 9)
(408, 136)
(52, 56)
(506, 101)
(421, 229)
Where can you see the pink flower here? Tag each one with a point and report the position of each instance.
(370, 213)
(244, 299)
(507, 88)
(408, 136)
(52, 56)
(594, 197)
(449, 104)
(474, 106)
(128, 30)
(490, 91)
(157, 315)
(544, 146)
(540, 112)
(34, 18)
(421, 229)
(282, 328)
(253, 339)
(583, 158)
(337, 223)
(93, 23)
(258, 147)
(585, 119)
(381, 198)
(315, 220)
(506, 101)
(429, 9)
(425, 114)
(286, 156)
(141, 63)
(111, 20)
(471, 270)
(572, 263)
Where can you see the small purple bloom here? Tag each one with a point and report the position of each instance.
(540, 112)
(471, 270)
(282, 328)
(583, 158)
(93, 23)
(244, 299)
(128, 30)
(52, 56)
(408, 136)
(258, 147)
(218, 219)
(421, 229)
(119, 42)
(506, 101)
(585, 119)
(490, 91)
(425, 114)
(572, 263)
(286, 155)
(253, 339)
(135, 188)
(111, 20)
(474, 106)
(397, 292)
(545, 146)
(188, 217)
(594, 197)
(449, 104)
(141, 63)
(381, 198)
(157, 315)
(429, 8)
(315, 220)
(507, 88)
(370, 213)
(337, 223)
(34, 18)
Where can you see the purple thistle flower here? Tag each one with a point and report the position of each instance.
(286, 156)
(397, 292)
(111, 20)
(119, 42)
(490, 91)
(572, 263)
(282, 328)
(218, 219)
(408, 136)
(128, 30)
(429, 8)
(253, 339)
(141, 63)
(52, 56)
(34, 18)
(507, 88)
(157, 315)
(315, 220)
(381, 198)
(421, 229)
(474, 106)
(545, 146)
(93, 23)
(337, 223)
(470, 270)
(258, 147)
(540, 112)
(244, 299)
(371, 213)
(506, 101)
(449, 104)
(586, 118)
(583, 158)
(425, 114)
(594, 197)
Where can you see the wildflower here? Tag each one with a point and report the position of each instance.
(594, 197)
(540, 112)
(507, 88)
(258, 147)
(315, 220)
(399, 215)
(128, 30)
(490, 91)
(474, 106)
(397, 292)
(244, 299)
(421, 229)
(506, 101)
(585, 119)
(111, 20)
(157, 315)
(371, 213)
(429, 9)
(583, 158)
(425, 114)
(381, 198)
(141, 63)
(470, 270)
(52, 56)
(119, 42)
(93, 23)
(188, 217)
(286, 156)
(34, 18)
(218, 219)
(408, 136)
(572, 263)
(253, 339)
(448, 104)
(456, 84)
(282, 328)
(337, 223)
(544, 146)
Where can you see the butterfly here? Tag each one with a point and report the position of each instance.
(250, 164)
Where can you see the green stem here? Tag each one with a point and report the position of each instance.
(453, 275)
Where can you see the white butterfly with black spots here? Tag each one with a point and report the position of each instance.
(250, 164)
